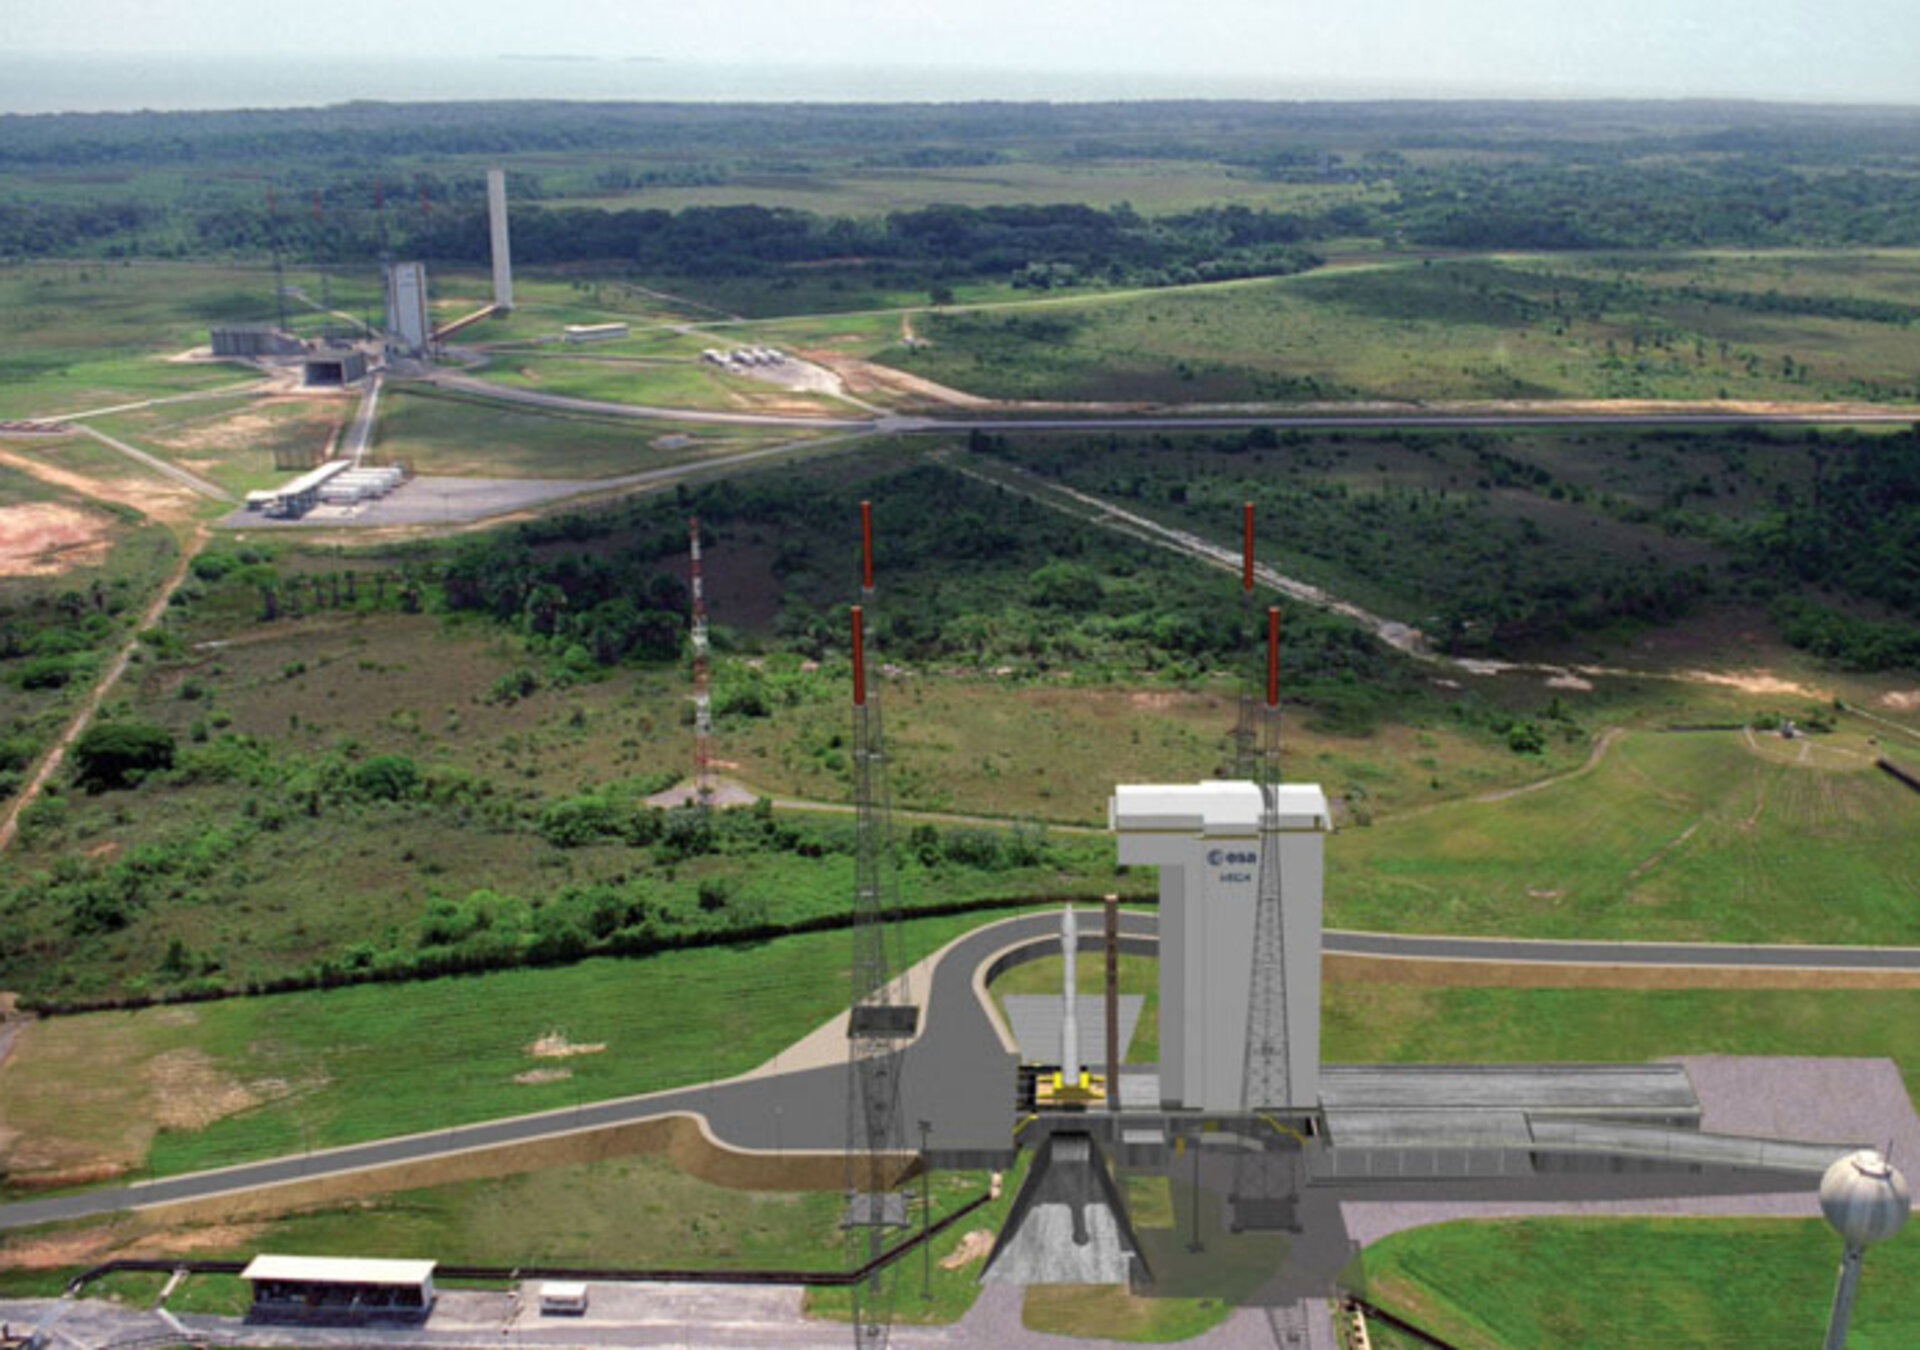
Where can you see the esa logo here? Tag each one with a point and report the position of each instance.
(1221, 857)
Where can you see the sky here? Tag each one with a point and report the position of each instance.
(1857, 51)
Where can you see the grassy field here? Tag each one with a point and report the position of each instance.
(464, 437)
(175, 1089)
(88, 335)
(1509, 328)
(1402, 1023)
(1708, 836)
(1392, 1021)
(1638, 1284)
(681, 383)
(241, 444)
(632, 1212)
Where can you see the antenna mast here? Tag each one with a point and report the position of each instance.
(273, 241)
(880, 1018)
(702, 693)
(1246, 731)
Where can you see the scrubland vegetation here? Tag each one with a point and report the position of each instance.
(338, 763)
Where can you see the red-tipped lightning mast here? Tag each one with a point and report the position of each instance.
(881, 1018)
(866, 548)
(1246, 731)
(1246, 548)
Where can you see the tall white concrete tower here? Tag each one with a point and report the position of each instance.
(1205, 839)
(408, 327)
(502, 251)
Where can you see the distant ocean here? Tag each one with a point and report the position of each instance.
(31, 83)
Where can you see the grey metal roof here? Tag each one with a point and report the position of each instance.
(1686, 1146)
(1429, 1129)
(1612, 1089)
(338, 1270)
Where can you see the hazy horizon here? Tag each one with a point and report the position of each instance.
(1847, 52)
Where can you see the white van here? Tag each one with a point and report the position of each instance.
(563, 1297)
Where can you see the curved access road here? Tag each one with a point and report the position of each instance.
(959, 1072)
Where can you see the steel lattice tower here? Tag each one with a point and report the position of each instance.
(702, 693)
(880, 1017)
(1265, 1179)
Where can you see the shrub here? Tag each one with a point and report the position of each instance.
(388, 778)
(118, 754)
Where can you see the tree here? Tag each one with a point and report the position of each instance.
(119, 754)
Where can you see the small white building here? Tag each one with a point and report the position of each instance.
(594, 332)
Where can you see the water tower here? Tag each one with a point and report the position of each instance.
(1866, 1201)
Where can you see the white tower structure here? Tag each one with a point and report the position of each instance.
(497, 226)
(1069, 1019)
(1205, 839)
(408, 327)
(1866, 1201)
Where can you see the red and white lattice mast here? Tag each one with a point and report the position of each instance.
(702, 693)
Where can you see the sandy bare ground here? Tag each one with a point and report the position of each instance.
(56, 755)
(41, 539)
(164, 501)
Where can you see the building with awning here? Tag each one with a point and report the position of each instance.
(339, 1289)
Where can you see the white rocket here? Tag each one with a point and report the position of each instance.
(1069, 1023)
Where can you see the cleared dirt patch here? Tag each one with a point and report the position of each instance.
(190, 1093)
(973, 1247)
(166, 500)
(1901, 700)
(532, 1076)
(555, 1045)
(39, 539)
(124, 1238)
(1756, 682)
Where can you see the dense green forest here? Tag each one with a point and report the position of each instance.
(1499, 545)
(1470, 175)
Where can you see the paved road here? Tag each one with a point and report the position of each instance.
(468, 384)
(957, 1074)
(1389, 421)
(362, 432)
(1702, 955)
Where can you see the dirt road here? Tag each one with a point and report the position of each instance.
(56, 754)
